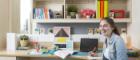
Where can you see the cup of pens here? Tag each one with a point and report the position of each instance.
(36, 45)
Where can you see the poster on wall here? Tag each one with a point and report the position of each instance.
(62, 36)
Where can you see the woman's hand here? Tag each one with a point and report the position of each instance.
(91, 53)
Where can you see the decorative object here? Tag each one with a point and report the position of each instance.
(77, 16)
(58, 14)
(87, 13)
(72, 10)
(90, 31)
(50, 30)
(24, 40)
(111, 15)
(118, 13)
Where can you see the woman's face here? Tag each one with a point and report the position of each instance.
(105, 28)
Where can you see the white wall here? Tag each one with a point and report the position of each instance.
(7, 58)
(14, 12)
(134, 29)
(4, 21)
(25, 15)
(9, 22)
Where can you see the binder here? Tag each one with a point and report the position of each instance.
(101, 8)
(98, 9)
(106, 8)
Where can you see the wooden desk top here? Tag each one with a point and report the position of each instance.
(25, 54)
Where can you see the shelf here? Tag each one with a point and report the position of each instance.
(122, 20)
(50, 0)
(59, 15)
(80, 1)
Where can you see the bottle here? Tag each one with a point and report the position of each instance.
(77, 16)
(70, 45)
(124, 35)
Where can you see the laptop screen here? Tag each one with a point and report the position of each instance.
(88, 44)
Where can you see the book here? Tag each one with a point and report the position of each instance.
(106, 8)
(34, 13)
(98, 9)
(101, 8)
(46, 13)
(63, 53)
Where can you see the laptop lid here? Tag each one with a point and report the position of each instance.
(88, 44)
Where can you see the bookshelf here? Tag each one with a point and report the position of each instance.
(56, 12)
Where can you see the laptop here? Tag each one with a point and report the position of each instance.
(88, 44)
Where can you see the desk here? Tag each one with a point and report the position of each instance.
(24, 54)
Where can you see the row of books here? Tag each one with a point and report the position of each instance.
(46, 13)
(40, 13)
(102, 8)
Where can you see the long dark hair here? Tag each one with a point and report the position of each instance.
(112, 24)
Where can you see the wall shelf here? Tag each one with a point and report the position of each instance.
(58, 15)
(122, 20)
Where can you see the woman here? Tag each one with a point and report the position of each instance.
(114, 48)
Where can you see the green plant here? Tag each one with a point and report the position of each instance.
(24, 37)
(72, 8)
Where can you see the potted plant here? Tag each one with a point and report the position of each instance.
(24, 39)
(72, 10)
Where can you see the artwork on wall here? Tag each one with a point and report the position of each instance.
(61, 31)
(62, 36)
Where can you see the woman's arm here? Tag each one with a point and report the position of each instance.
(121, 51)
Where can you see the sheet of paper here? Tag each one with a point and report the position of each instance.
(63, 53)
